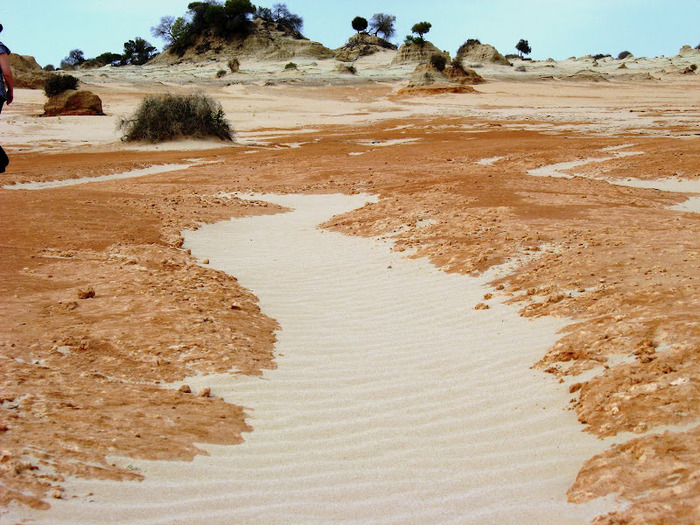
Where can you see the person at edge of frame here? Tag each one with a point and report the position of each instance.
(6, 92)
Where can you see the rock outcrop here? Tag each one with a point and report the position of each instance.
(412, 53)
(481, 54)
(27, 72)
(73, 102)
(360, 45)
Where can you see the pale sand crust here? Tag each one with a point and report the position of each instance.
(578, 237)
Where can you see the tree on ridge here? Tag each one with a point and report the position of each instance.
(420, 29)
(384, 24)
(359, 24)
(523, 47)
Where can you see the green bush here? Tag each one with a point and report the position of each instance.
(57, 84)
(438, 61)
(220, 73)
(168, 117)
(291, 65)
(623, 55)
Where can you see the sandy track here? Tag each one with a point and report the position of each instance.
(394, 399)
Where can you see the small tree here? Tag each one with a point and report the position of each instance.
(384, 24)
(523, 47)
(286, 19)
(164, 30)
(359, 24)
(137, 52)
(74, 59)
(420, 29)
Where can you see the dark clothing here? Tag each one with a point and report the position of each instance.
(4, 161)
(3, 93)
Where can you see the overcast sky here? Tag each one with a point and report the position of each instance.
(49, 29)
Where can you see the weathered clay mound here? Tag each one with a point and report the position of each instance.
(27, 72)
(688, 51)
(428, 80)
(482, 54)
(73, 102)
(412, 53)
(360, 45)
(427, 75)
(463, 76)
(263, 43)
(586, 75)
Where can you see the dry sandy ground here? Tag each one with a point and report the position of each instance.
(105, 313)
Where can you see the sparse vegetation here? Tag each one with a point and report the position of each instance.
(49, 67)
(57, 84)
(168, 117)
(221, 73)
(359, 24)
(290, 65)
(523, 47)
(234, 65)
(601, 55)
(623, 55)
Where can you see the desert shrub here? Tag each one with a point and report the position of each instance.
(49, 67)
(234, 65)
(290, 65)
(220, 73)
(167, 117)
(438, 61)
(521, 69)
(57, 84)
(601, 55)
(698, 46)
(623, 55)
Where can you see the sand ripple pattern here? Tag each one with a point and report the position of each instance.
(394, 400)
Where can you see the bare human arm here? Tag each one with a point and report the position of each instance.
(7, 74)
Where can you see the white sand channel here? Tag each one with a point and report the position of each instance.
(394, 400)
